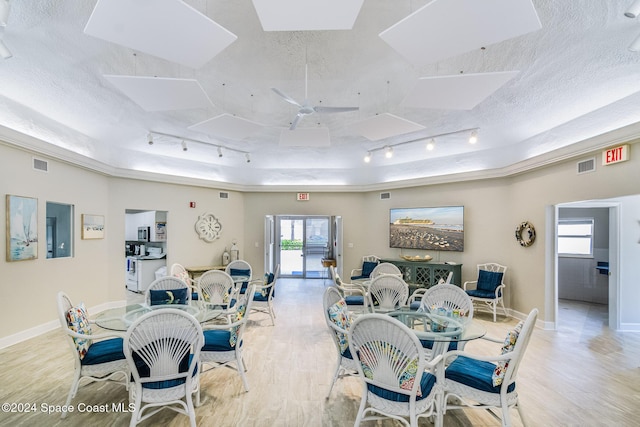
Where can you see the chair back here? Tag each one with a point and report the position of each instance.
(272, 286)
(161, 291)
(370, 258)
(336, 315)
(216, 288)
(162, 349)
(177, 270)
(385, 268)
(450, 297)
(64, 305)
(387, 293)
(242, 311)
(238, 268)
(493, 267)
(519, 349)
(390, 355)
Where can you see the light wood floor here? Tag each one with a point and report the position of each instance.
(581, 375)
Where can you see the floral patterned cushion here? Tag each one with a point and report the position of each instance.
(339, 315)
(241, 309)
(508, 346)
(78, 321)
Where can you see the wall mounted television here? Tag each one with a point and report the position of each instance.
(436, 228)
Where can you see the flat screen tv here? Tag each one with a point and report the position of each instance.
(436, 229)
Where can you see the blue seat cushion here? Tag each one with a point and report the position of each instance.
(482, 294)
(488, 280)
(453, 345)
(415, 305)
(103, 352)
(426, 384)
(169, 296)
(257, 296)
(194, 296)
(144, 372)
(474, 373)
(354, 300)
(217, 340)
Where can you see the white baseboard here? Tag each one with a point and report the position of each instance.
(631, 327)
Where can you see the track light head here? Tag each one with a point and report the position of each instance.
(219, 151)
(431, 144)
(635, 44)
(184, 146)
(367, 157)
(5, 53)
(634, 10)
(5, 8)
(248, 157)
(150, 138)
(473, 138)
(388, 153)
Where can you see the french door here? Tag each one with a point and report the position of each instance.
(301, 242)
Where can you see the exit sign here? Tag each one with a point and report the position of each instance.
(302, 197)
(615, 155)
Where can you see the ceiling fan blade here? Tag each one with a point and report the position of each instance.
(286, 97)
(296, 121)
(321, 109)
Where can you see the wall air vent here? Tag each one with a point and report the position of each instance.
(385, 196)
(587, 166)
(40, 165)
(224, 195)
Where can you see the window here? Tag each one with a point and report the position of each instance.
(59, 230)
(575, 237)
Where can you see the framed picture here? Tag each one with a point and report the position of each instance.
(92, 226)
(22, 228)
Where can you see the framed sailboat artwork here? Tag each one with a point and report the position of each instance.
(22, 228)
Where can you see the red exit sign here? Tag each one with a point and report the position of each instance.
(303, 197)
(615, 155)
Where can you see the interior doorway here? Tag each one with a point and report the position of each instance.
(301, 242)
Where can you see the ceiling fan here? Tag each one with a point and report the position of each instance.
(306, 108)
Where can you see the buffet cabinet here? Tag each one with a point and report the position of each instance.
(421, 274)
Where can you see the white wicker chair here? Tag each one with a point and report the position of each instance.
(387, 292)
(416, 297)
(177, 270)
(169, 284)
(263, 298)
(392, 367)
(216, 289)
(469, 378)
(223, 344)
(385, 268)
(104, 359)
(489, 288)
(162, 348)
(365, 270)
(240, 268)
(338, 322)
(355, 295)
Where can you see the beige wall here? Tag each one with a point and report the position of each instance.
(95, 274)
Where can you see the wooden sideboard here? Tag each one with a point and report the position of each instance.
(420, 274)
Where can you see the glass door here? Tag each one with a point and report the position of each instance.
(302, 241)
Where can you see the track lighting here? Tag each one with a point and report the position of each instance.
(184, 146)
(367, 157)
(431, 144)
(153, 138)
(5, 8)
(388, 152)
(150, 138)
(473, 138)
(248, 157)
(5, 53)
(635, 44)
(219, 151)
(634, 10)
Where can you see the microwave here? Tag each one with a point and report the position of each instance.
(144, 234)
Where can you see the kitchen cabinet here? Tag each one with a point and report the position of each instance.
(146, 219)
(419, 274)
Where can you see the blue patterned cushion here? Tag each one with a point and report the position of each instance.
(104, 351)
(78, 321)
(367, 268)
(474, 373)
(238, 315)
(426, 384)
(169, 296)
(489, 280)
(217, 340)
(339, 315)
(507, 347)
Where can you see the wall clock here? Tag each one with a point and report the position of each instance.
(525, 234)
(208, 227)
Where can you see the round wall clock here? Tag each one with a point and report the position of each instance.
(525, 234)
(208, 227)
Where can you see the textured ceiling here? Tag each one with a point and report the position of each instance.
(571, 80)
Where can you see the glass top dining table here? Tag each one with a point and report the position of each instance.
(120, 318)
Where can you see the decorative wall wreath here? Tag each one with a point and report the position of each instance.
(525, 234)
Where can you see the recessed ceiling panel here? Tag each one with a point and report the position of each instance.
(307, 15)
(456, 92)
(385, 125)
(305, 137)
(169, 29)
(162, 94)
(227, 126)
(446, 28)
